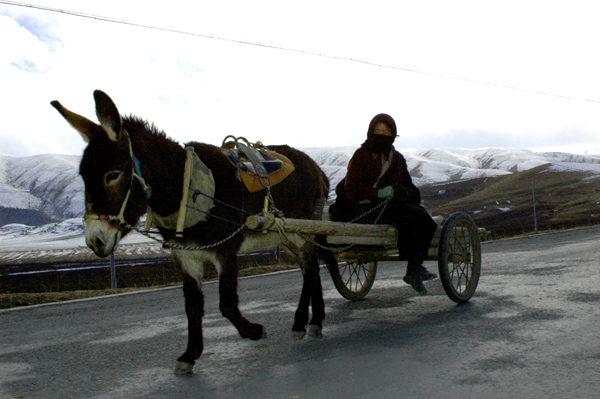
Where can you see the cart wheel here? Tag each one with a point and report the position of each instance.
(352, 279)
(459, 259)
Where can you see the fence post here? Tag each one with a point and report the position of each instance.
(534, 210)
(113, 272)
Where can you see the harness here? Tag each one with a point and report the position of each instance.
(196, 201)
(198, 195)
(193, 208)
(197, 178)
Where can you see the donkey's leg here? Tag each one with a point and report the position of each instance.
(229, 302)
(192, 267)
(316, 295)
(194, 308)
(312, 292)
(301, 316)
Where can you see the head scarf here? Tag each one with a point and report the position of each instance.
(379, 143)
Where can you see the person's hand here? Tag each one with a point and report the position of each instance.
(385, 192)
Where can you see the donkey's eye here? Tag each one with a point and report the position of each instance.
(111, 176)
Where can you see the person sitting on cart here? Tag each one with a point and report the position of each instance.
(377, 172)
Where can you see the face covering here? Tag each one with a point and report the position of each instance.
(379, 144)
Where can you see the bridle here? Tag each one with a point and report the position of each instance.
(136, 172)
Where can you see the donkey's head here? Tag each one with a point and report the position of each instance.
(113, 203)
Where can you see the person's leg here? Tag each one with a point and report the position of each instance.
(415, 232)
(413, 275)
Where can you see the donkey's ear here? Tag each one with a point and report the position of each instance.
(84, 126)
(108, 115)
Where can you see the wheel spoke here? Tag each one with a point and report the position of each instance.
(459, 259)
(352, 278)
(460, 264)
(354, 275)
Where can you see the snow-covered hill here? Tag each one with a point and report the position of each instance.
(442, 165)
(451, 164)
(47, 183)
(51, 183)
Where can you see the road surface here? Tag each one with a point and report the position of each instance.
(532, 330)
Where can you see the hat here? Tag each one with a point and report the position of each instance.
(385, 118)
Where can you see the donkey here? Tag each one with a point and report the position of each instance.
(130, 167)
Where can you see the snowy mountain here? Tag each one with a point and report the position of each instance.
(51, 183)
(47, 183)
(442, 165)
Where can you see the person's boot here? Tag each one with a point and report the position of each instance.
(425, 274)
(413, 277)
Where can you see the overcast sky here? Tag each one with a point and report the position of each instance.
(200, 88)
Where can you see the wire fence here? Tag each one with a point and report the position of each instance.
(59, 276)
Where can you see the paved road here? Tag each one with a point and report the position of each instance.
(531, 331)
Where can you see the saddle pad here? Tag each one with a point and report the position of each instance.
(277, 171)
(197, 207)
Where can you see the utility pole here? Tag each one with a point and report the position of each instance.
(534, 210)
(113, 272)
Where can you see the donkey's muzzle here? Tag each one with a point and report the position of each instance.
(102, 237)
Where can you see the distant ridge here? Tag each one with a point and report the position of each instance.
(50, 184)
(566, 195)
(27, 217)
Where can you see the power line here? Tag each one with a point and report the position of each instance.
(273, 47)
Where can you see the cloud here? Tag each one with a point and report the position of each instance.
(196, 88)
(43, 29)
(26, 65)
(25, 50)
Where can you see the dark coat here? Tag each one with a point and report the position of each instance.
(357, 194)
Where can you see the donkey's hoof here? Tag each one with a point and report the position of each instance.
(315, 331)
(298, 335)
(183, 368)
(256, 332)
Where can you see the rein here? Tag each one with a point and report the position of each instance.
(338, 250)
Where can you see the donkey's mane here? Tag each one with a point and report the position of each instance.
(136, 123)
(151, 144)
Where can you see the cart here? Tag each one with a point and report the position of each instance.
(356, 248)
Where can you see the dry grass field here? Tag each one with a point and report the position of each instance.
(504, 205)
(52, 278)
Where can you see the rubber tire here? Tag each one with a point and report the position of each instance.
(459, 276)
